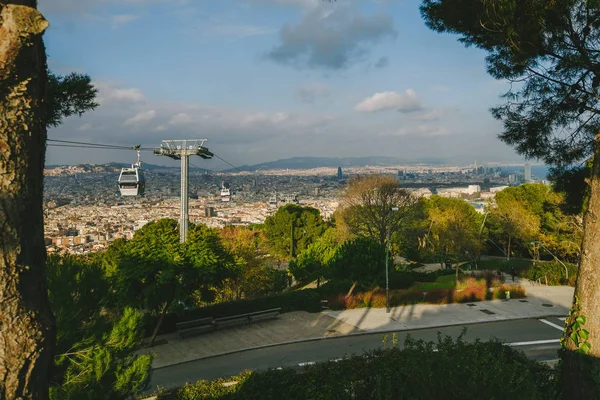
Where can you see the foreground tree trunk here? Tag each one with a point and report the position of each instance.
(577, 380)
(163, 312)
(26, 321)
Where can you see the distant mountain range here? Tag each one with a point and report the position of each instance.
(320, 162)
(331, 162)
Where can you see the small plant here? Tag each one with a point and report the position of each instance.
(574, 330)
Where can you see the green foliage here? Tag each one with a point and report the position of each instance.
(360, 259)
(408, 240)
(571, 182)
(575, 332)
(310, 263)
(367, 206)
(551, 49)
(95, 344)
(155, 271)
(552, 272)
(304, 223)
(511, 222)
(105, 368)
(454, 228)
(152, 272)
(68, 95)
(449, 369)
(255, 275)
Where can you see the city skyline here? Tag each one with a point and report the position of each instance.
(272, 79)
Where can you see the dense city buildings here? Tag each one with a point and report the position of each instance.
(84, 211)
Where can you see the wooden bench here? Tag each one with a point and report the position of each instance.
(247, 318)
(195, 327)
(263, 315)
(231, 321)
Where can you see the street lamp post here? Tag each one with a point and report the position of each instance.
(556, 258)
(387, 256)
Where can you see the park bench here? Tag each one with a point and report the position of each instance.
(266, 314)
(195, 327)
(248, 318)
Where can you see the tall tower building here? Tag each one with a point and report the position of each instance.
(339, 174)
(527, 172)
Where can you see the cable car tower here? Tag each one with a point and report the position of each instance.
(182, 150)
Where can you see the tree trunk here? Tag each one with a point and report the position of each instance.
(159, 323)
(577, 383)
(26, 321)
(508, 248)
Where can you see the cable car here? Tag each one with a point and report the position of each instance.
(132, 181)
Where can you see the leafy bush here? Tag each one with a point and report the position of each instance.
(335, 287)
(553, 271)
(516, 292)
(447, 369)
(497, 264)
(304, 300)
(468, 289)
(360, 259)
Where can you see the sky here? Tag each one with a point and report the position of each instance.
(271, 79)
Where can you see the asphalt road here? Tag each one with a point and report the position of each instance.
(539, 341)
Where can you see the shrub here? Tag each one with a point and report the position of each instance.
(301, 300)
(470, 289)
(335, 286)
(553, 271)
(447, 369)
(516, 292)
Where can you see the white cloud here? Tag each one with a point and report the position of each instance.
(421, 130)
(119, 20)
(273, 134)
(140, 118)
(404, 102)
(180, 119)
(108, 93)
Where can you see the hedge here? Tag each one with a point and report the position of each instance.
(300, 300)
(447, 370)
(553, 271)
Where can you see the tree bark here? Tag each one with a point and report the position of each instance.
(26, 321)
(159, 323)
(576, 368)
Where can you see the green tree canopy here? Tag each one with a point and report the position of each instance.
(256, 276)
(550, 51)
(157, 272)
(292, 229)
(366, 209)
(95, 344)
(454, 228)
(360, 259)
(68, 95)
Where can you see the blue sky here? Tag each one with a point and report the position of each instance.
(271, 79)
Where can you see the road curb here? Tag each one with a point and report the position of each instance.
(363, 333)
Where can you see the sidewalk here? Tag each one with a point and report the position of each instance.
(541, 301)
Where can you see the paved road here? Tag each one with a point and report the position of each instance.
(537, 338)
